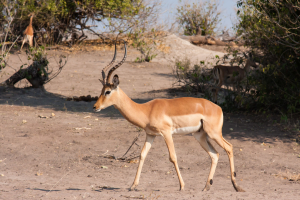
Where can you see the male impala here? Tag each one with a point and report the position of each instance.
(165, 117)
(231, 75)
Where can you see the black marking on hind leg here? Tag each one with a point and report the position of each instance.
(211, 181)
(201, 125)
(234, 174)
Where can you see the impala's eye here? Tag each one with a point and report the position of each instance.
(107, 92)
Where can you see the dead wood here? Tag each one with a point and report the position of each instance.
(130, 157)
(198, 39)
(37, 74)
(32, 73)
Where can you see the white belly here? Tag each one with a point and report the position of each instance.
(187, 130)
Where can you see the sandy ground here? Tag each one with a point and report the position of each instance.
(51, 148)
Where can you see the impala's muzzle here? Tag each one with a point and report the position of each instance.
(97, 110)
(97, 106)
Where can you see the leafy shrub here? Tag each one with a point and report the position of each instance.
(272, 30)
(194, 78)
(145, 45)
(199, 78)
(199, 18)
(56, 19)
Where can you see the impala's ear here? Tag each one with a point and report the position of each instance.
(102, 82)
(116, 80)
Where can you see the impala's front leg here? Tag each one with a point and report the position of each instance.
(145, 150)
(173, 158)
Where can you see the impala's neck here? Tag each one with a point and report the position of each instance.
(135, 113)
(247, 66)
(30, 24)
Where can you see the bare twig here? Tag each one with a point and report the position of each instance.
(133, 142)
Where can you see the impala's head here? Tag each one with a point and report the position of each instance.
(250, 60)
(110, 90)
(109, 94)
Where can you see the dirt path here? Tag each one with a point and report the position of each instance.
(51, 148)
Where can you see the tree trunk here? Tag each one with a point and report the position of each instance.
(198, 39)
(32, 73)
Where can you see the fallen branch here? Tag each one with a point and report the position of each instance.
(128, 158)
(198, 39)
(133, 142)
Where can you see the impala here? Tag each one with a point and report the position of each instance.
(231, 75)
(28, 33)
(165, 117)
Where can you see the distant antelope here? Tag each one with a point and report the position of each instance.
(231, 75)
(28, 33)
(165, 117)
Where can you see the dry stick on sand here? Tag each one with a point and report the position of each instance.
(126, 158)
(123, 157)
(58, 182)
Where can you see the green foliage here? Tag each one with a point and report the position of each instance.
(195, 78)
(203, 16)
(6, 19)
(199, 78)
(54, 18)
(38, 56)
(2, 60)
(145, 43)
(147, 58)
(272, 30)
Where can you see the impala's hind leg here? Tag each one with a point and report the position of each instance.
(30, 39)
(201, 137)
(228, 148)
(24, 40)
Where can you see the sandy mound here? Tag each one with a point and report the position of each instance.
(175, 48)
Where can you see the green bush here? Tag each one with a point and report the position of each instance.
(194, 78)
(272, 30)
(145, 43)
(199, 78)
(54, 18)
(201, 16)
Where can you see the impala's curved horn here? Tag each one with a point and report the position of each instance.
(110, 64)
(118, 65)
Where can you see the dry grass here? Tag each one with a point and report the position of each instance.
(288, 176)
(108, 44)
(163, 48)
